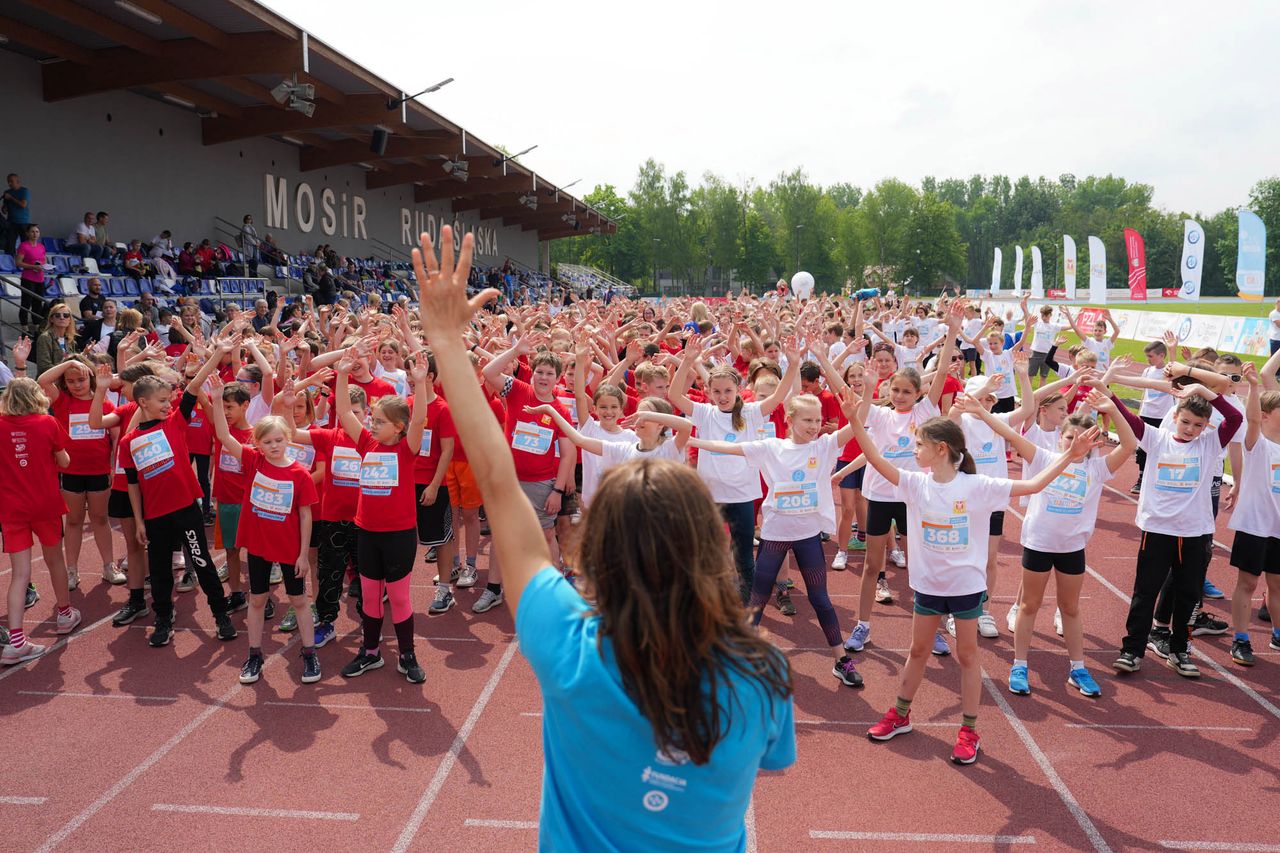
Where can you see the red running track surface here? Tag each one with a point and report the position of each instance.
(114, 745)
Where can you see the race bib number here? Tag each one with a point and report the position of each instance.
(794, 498)
(1178, 474)
(379, 474)
(769, 430)
(79, 430)
(229, 463)
(425, 448)
(152, 454)
(902, 449)
(271, 499)
(531, 438)
(945, 534)
(570, 406)
(1275, 479)
(345, 465)
(1065, 495)
(303, 453)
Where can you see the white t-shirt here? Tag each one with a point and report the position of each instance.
(730, 478)
(1102, 348)
(1000, 363)
(894, 434)
(592, 466)
(258, 409)
(1177, 481)
(986, 446)
(618, 452)
(1045, 334)
(395, 378)
(1155, 404)
(1258, 509)
(835, 351)
(1061, 518)
(1273, 331)
(82, 230)
(1040, 438)
(947, 529)
(799, 505)
(970, 328)
(908, 356)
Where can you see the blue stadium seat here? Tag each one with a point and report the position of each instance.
(7, 263)
(206, 305)
(146, 286)
(60, 263)
(51, 289)
(115, 287)
(208, 287)
(51, 244)
(131, 287)
(82, 284)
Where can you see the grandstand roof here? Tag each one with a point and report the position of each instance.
(223, 57)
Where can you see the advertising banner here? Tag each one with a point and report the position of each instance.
(1068, 266)
(1192, 260)
(1251, 259)
(995, 272)
(1136, 249)
(1097, 271)
(1037, 274)
(1017, 270)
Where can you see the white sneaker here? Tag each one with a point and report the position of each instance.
(179, 559)
(1057, 621)
(112, 574)
(73, 578)
(487, 601)
(884, 595)
(467, 577)
(1011, 621)
(951, 625)
(223, 573)
(841, 560)
(987, 626)
(277, 576)
(29, 651)
(68, 623)
(898, 558)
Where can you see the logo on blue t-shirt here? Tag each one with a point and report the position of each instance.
(655, 801)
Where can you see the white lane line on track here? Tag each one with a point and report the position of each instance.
(68, 694)
(349, 707)
(913, 837)
(1160, 728)
(1242, 846)
(23, 801)
(248, 812)
(1226, 675)
(531, 713)
(451, 757)
(150, 761)
(501, 824)
(750, 824)
(868, 724)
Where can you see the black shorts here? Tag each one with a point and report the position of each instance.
(435, 522)
(851, 481)
(1004, 404)
(1255, 555)
(969, 354)
(881, 513)
(385, 555)
(119, 505)
(260, 577)
(82, 483)
(996, 528)
(315, 534)
(1041, 561)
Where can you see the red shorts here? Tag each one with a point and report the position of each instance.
(18, 535)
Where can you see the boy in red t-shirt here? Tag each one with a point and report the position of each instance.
(166, 499)
(435, 511)
(544, 457)
(33, 446)
(228, 486)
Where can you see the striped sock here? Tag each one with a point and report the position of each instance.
(64, 611)
(970, 720)
(17, 638)
(903, 706)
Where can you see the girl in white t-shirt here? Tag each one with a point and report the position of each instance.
(651, 435)
(950, 506)
(1059, 522)
(734, 485)
(598, 416)
(799, 510)
(1256, 519)
(390, 367)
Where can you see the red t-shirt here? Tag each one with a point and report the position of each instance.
(200, 438)
(499, 412)
(126, 411)
(341, 491)
(229, 476)
(90, 449)
(374, 389)
(29, 488)
(159, 454)
(439, 425)
(270, 521)
(534, 441)
(387, 498)
(952, 386)
(831, 410)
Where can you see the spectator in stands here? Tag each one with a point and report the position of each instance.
(261, 319)
(327, 290)
(249, 243)
(110, 313)
(271, 253)
(134, 265)
(91, 305)
(57, 338)
(164, 321)
(193, 318)
(187, 259)
(148, 308)
(84, 241)
(31, 260)
(206, 259)
(311, 278)
(351, 274)
(162, 246)
(331, 258)
(232, 310)
(16, 206)
(103, 238)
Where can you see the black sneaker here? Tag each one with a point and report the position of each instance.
(252, 669)
(782, 598)
(1205, 624)
(1275, 641)
(1180, 662)
(32, 597)
(129, 612)
(210, 517)
(1242, 653)
(363, 663)
(431, 554)
(1158, 641)
(353, 589)
(226, 631)
(310, 667)
(1127, 662)
(845, 671)
(162, 632)
(270, 611)
(237, 601)
(1136, 489)
(1264, 615)
(408, 667)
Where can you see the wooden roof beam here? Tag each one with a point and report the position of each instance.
(265, 121)
(185, 21)
(200, 98)
(88, 19)
(24, 34)
(357, 150)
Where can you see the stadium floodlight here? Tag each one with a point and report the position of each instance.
(292, 91)
(307, 108)
(506, 157)
(530, 201)
(571, 183)
(392, 103)
(145, 14)
(456, 169)
(282, 91)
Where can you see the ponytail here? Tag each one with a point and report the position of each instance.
(967, 465)
(739, 422)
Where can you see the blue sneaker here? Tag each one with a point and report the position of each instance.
(1018, 681)
(1081, 680)
(1211, 591)
(940, 647)
(324, 633)
(858, 639)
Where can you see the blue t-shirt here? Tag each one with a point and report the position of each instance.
(605, 783)
(18, 215)
(1011, 340)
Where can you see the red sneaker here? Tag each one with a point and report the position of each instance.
(966, 751)
(890, 726)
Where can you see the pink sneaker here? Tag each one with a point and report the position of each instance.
(966, 751)
(890, 726)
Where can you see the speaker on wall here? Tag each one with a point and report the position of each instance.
(379, 143)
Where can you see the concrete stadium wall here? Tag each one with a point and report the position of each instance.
(143, 162)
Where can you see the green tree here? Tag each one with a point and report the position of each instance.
(937, 251)
(756, 260)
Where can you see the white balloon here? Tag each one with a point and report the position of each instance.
(802, 285)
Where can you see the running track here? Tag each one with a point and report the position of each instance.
(113, 745)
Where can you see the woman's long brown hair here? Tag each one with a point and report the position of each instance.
(655, 552)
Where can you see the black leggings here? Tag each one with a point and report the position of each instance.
(182, 528)
(1179, 559)
(32, 307)
(813, 568)
(201, 461)
(741, 518)
(260, 577)
(337, 551)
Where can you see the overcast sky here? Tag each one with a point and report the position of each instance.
(1178, 95)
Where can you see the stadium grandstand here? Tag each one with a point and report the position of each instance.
(212, 150)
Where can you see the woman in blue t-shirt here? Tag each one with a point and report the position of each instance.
(660, 702)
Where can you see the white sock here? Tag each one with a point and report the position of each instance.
(1077, 664)
(1017, 662)
(862, 623)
